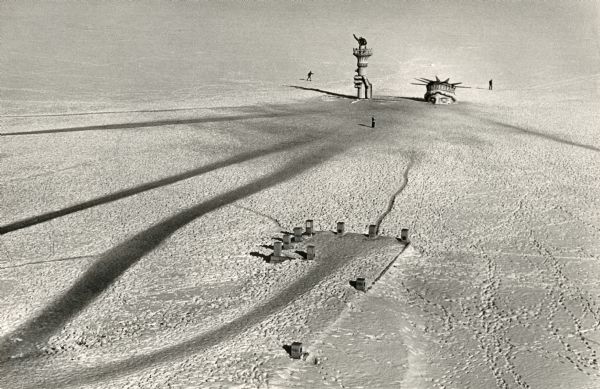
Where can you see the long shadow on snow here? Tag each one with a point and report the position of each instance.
(114, 262)
(399, 98)
(322, 91)
(376, 98)
(150, 185)
(90, 113)
(211, 338)
(152, 123)
(542, 135)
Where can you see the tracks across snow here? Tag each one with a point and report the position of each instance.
(558, 296)
(491, 330)
(47, 261)
(264, 215)
(392, 199)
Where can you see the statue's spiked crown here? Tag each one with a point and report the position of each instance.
(438, 85)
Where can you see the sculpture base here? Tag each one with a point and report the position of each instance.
(364, 88)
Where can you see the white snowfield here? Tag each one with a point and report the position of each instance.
(133, 245)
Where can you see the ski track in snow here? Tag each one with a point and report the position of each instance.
(392, 199)
(32, 263)
(263, 215)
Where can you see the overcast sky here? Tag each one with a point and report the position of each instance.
(116, 49)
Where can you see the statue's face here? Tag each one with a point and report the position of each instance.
(438, 98)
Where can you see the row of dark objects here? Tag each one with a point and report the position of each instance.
(372, 231)
(288, 242)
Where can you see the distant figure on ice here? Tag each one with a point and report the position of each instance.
(310, 73)
(362, 42)
(491, 84)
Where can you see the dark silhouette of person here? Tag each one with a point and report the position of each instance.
(491, 84)
(310, 73)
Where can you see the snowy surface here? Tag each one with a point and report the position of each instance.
(161, 283)
(143, 186)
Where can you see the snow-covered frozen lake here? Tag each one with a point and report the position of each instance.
(151, 153)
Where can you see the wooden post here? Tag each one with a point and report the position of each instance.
(297, 234)
(310, 252)
(404, 235)
(340, 228)
(309, 227)
(277, 248)
(287, 242)
(296, 350)
(361, 284)
(372, 231)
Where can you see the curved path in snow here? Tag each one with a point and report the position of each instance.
(395, 195)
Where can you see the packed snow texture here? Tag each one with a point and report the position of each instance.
(149, 158)
(500, 287)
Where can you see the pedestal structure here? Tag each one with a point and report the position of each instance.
(361, 82)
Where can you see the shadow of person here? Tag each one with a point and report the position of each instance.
(322, 91)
